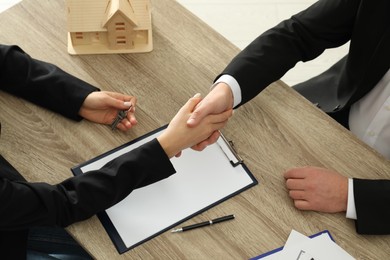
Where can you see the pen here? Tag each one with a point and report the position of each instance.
(202, 224)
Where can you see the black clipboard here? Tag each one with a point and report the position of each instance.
(124, 221)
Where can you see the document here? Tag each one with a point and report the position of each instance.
(202, 180)
(320, 246)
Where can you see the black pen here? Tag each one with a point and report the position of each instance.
(203, 224)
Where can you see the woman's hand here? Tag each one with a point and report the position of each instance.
(102, 107)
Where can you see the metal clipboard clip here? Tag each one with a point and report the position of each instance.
(231, 150)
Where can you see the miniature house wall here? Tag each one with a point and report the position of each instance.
(109, 26)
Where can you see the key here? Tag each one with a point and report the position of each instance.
(121, 114)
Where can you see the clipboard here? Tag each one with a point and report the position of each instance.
(202, 180)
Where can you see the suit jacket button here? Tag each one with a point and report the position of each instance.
(336, 108)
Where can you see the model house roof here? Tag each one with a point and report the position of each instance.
(122, 7)
(93, 15)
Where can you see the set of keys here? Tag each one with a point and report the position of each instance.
(121, 115)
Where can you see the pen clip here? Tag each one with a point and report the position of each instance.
(232, 150)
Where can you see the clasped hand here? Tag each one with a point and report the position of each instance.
(102, 107)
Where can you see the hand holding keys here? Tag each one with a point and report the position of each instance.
(121, 115)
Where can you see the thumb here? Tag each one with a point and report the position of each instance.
(118, 104)
(198, 113)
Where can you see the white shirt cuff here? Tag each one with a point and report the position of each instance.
(234, 86)
(351, 209)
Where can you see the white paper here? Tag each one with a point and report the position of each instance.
(301, 247)
(294, 238)
(321, 247)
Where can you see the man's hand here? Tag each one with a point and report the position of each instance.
(103, 107)
(318, 189)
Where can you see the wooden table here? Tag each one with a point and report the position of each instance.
(274, 132)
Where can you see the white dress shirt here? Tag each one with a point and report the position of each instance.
(369, 120)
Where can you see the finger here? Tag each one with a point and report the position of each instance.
(200, 146)
(222, 117)
(131, 118)
(210, 140)
(302, 204)
(295, 173)
(127, 124)
(133, 121)
(297, 194)
(133, 105)
(295, 184)
(213, 138)
(216, 127)
(133, 101)
(122, 127)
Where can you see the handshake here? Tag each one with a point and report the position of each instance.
(198, 122)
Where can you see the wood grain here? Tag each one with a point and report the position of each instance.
(277, 130)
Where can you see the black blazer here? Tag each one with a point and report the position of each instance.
(303, 37)
(24, 204)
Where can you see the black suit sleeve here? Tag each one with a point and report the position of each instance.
(41, 83)
(372, 202)
(303, 37)
(27, 204)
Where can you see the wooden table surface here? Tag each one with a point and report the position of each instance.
(274, 132)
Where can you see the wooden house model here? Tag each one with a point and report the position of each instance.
(109, 26)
